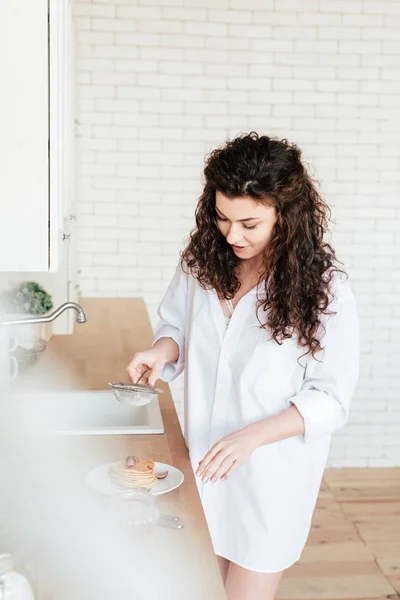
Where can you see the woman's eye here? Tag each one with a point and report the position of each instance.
(224, 220)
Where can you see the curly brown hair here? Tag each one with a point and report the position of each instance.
(298, 265)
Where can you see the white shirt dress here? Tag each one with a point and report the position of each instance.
(235, 375)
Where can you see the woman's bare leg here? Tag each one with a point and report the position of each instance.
(223, 566)
(242, 584)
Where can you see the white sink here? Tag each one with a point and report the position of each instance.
(88, 413)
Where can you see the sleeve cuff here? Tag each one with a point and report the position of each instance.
(171, 371)
(321, 412)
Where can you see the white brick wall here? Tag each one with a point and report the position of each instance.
(162, 82)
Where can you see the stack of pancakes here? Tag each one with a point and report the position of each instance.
(139, 475)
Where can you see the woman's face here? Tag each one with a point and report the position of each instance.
(246, 224)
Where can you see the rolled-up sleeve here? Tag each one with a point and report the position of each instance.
(172, 317)
(325, 395)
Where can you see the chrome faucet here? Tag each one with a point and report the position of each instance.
(80, 316)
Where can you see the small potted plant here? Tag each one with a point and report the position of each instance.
(29, 299)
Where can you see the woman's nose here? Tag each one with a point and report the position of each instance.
(233, 235)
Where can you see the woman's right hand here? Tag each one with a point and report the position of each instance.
(150, 360)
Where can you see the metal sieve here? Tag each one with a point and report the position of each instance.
(134, 394)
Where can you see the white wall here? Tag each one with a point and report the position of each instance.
(162, 82)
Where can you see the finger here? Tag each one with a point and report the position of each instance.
(154, 374)
(132, 374)
(229, 471)
(135, 371)
(214, 466)
(223, 468)
(203, 464)
(212, 453)
(137, 367)
(134, 359)
(133, 363)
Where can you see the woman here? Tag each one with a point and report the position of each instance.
(265, 324)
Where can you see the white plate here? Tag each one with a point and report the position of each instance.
(100, 481)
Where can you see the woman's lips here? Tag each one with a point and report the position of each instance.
(239, 248)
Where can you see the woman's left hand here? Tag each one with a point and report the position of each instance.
(227, 455)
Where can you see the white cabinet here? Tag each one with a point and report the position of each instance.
(36, 141)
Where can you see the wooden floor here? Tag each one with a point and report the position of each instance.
(353, 550)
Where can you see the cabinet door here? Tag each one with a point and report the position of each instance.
(61, 110)
(24, 126)
(36, 124)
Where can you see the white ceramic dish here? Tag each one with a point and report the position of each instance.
(99, 480)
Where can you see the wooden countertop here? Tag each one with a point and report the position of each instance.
(98, 352)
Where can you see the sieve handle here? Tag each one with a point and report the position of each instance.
(144, 372)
